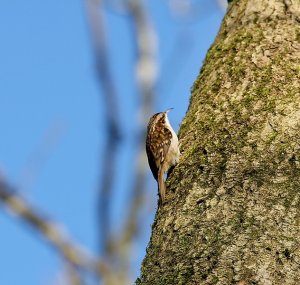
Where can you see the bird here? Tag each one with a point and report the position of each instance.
(162, 149)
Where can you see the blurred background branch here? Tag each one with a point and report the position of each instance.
(76, 257)
(108, 157)
(117, 248)
(145, 41)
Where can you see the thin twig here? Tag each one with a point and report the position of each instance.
(146, 69)
(108, 156)
(73, 254)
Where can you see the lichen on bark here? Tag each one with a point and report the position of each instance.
(233, 203)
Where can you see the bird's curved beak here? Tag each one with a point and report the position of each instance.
(168, 110)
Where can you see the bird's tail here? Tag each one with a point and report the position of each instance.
(161, 186)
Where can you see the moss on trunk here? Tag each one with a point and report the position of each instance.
(233, 201)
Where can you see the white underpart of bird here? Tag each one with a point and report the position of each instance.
(174, 147)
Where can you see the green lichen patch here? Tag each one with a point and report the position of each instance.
(233, 201)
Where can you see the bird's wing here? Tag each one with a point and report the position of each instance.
(158, 143)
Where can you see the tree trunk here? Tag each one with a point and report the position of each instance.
(233, 202)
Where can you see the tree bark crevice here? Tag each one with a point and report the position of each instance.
(232, 213)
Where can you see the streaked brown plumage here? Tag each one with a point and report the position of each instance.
(162, 149)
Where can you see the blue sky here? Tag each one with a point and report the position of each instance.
(51, 120)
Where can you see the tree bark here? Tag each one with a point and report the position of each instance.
(233, 202)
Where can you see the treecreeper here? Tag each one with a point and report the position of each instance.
(162, 149)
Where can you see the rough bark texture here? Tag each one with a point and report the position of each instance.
(233, 202)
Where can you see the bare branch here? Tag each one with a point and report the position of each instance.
(146, 66)
(146, 70)
(108, 157)
(74, 255)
